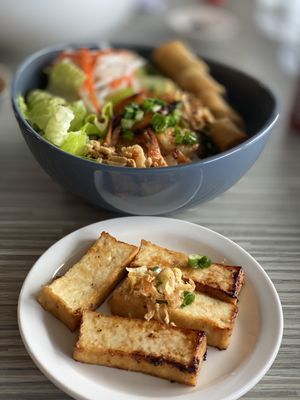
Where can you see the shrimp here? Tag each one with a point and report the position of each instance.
(180, 157)
(152, 146)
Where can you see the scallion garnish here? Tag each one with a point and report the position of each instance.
(199, 261)
(128, 135)
(156, 269)
(174, 117)
(185, 136)
(132, 113)
(159, 122)
(188, 298)
(127, 123)
(152, 105)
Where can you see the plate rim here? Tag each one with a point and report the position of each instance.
(237, 393)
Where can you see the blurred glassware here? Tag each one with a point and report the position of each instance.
(203, 22)
(5, 78)
(280, 20)
(153, 6)
(28, 25)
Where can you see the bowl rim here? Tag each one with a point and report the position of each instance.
(270, 122)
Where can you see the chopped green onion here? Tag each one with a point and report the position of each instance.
(188, 298)
(153, 105)
(174, 118)
(161, 302)
(127, 123)
(156, 269)
(132, 113)
(139, 115)
(159, 122)
(198, 261)
(128, 135)
(185, 136)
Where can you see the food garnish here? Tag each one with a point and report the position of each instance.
(199, 261)
(100, 103)
(162, 289)
(188, 298)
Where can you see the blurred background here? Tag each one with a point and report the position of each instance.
(261, 37)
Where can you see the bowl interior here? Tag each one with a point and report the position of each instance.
(249, 97)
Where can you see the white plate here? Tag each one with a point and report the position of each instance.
(226, 375)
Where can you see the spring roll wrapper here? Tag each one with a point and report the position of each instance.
(220, 108)
(185, 68)
(226, 134)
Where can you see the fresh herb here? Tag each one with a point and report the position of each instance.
(132, 113)
(156, 269)
(130, 110)
(174, 118)
(185, 136)
(127, 123)
(161, 302)
(188, 298)
(152, 105)
(160, 122)
(198, 261)
(139, 115)
(128, 135)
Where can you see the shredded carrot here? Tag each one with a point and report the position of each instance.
(87, 63)
(86, 59)
(119, 81)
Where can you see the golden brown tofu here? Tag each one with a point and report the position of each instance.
(87, 284)
(221, 281)
(213, 316)
(138, 345)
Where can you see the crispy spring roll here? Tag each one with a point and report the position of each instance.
(181, 56)
(220, 108)
(185, 68)
(226, 134)
(192, 74)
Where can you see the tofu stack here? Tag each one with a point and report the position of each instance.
(126, 340)
(217, 288)
(221, 281)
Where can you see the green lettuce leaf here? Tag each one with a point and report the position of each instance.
(22, 106)
(80, 112)
(75, 143)
(65, 79)
(41, 107)
(90, 129)
(56, 130)
(105, 117)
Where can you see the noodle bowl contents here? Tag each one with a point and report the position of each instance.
(112, 107)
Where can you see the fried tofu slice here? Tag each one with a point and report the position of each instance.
(137, 345)
(213, 316)
(221, 281)
(87, 284)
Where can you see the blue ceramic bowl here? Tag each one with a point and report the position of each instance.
(152, 191)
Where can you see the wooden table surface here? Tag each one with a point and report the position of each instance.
(261, 213)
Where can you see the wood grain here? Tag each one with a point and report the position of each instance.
(261, 213)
